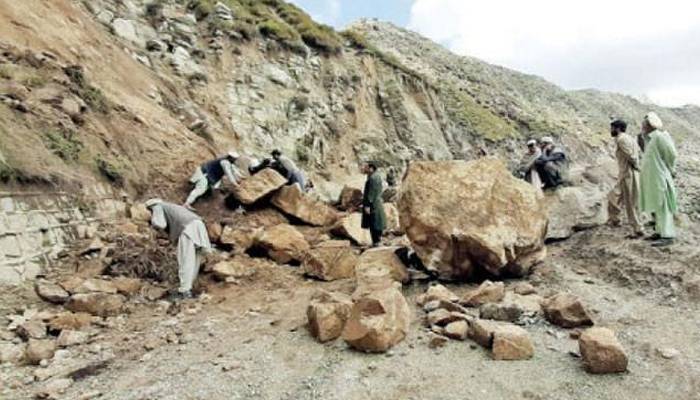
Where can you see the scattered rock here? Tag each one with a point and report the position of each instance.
(437, 292)
(441, 317)
(378, 321)
(385, 257)
(283, 243)
(330, 261)
(72, 338)
(461, 216)
(602, 353)
(292, 201)
(524, 289)
(100, 304)
(487, 292)
(457, 330)
(233, 269)
(254, 188)
(511, 342)
(500, 312)
(38, 350)
(127, 286)
(96, 286)
(70, 321)
(32, 329)
(51, 292)
(241, 239)
(154, 293)
(668, 352)
(566, 310)
(327, 314)
(350, 199)
(481, 331)
(436, 341)
(350, 227)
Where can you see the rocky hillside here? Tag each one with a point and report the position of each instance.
(138, 92)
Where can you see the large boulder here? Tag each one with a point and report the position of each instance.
(393, 222)
(241, 239)
(370, 279)
(292, 201)
(572, 209)
(602, 353)
(385, 257)
(378, 321)
(283, 243)
(254, 188)
(100, 304)
(330, 261)
(566, 310)
(466, 216)
(327, 314)
(350, 227)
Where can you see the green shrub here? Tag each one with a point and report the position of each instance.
(278, 30)
(92, 96)
(109, 170)
(63, 144)
(356, 39)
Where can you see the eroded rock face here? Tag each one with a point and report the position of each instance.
(602, 353)
(566, 310)
(258, 186)
(331, 260)
(385, 257)
(465, 216)
(327, 314)
(283, 243)
(292, 201)
(378, 321)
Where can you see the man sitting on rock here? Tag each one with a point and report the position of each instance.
(552, 165)
(188, 229)
(288, 169)
(373, 216)
(210, 174)
(526, 167)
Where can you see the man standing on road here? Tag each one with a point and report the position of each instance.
(188, 230)
(210, 174)
(625, 194)
(658, 190)
(373, 216)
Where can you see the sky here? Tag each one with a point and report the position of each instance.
(647, 49)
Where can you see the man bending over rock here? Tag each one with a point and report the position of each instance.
(188, 229)
(210, 174)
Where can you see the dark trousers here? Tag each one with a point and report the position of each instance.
(549, 175)
(376, 236)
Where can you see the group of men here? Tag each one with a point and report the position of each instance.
(545, 165)
(188, 230)
(644, 184)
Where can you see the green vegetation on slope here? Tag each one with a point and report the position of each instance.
(477, 119)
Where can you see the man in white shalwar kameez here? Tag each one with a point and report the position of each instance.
(188, 229)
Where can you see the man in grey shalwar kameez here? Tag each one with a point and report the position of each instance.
(188, 229)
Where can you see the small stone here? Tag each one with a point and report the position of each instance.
(100, 304)
(437, 341)
(668, 352)
(38, 350)
(524, 289)
(70, 321)
(438, 292)
(127, 286)
(500, 312)
(72, 338)
(602, 353)
(457, 330)
(441, 317)
(566, 310)
(32, 329)
(487, 292)
(511, 342)
(51, 292)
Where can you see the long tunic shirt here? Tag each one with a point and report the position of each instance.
(372, 199)
(658, 190)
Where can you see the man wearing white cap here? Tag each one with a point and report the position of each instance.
(657, 187)
(210, 174)
(188, 229)
(526, 167)
(552, 165)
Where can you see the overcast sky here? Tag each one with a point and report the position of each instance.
(647, 49)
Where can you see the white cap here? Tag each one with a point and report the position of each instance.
(233, 154)
(654, 121)
(153, 202)
(547, 140)
(531, 142)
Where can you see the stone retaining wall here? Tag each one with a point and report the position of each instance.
(36, 226)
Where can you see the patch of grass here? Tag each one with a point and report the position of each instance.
(35, 81)
(477, 119)
(109, 170)
(318, 36)
(92, 96)
(278, 30)
(360, 41)
(64, 144)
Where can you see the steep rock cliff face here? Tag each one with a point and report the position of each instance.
(138, 92)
